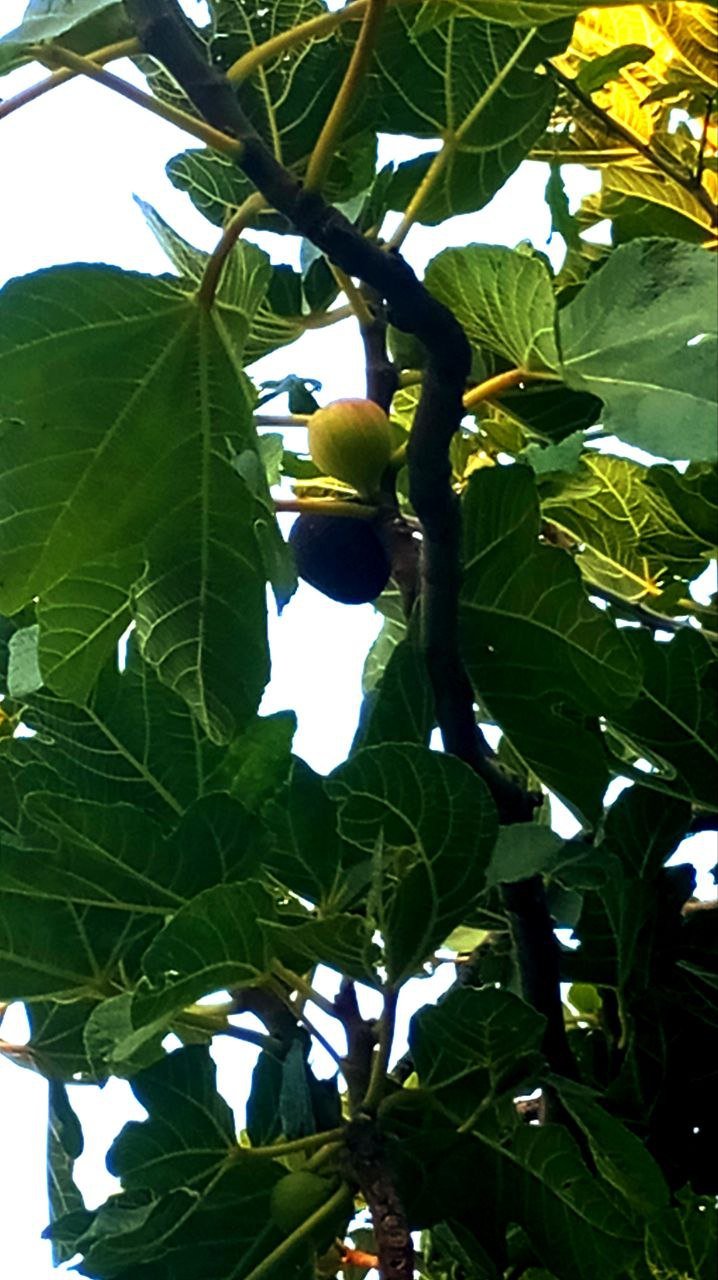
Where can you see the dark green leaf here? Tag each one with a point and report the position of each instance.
(514, 596)
(428, 824)
(595, 73)
(660, 385)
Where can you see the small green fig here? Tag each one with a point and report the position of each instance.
(296, 1197)
(351, 440)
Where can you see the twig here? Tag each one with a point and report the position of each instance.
(328, 140)
(680, 176)
(700, 162)
(296, 982)
(122, 49)
(380, 1064)
(215, 138)
(382, 377)
(361, 1039)
(281, 419)
(292, 1146)
(703, 822)
(326, 506)
(656, 621)
(368, 1165)
(538, 959)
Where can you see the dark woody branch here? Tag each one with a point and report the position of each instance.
(167, 35)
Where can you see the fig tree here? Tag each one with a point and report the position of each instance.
(340, 556)
(351, 440)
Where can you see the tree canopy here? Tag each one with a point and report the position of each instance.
(527, 495)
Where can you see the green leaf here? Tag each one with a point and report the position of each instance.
(341, 941)
(692, 498)
(473, 81)
(54, 950)
(82, 25)
(562, 220)
(216, 941)
(135, 741)
(641, 334)
(514, 596)
(306, 852)
(620, 1156)
(23, 672)
(114, 1045)
(674, 717)
(429, 824)
(683, 1241)
(56, 1038)
(564, 456)
(189, 1131)
(114, 856)
(81, 621)
(595, 73)
(504, 300)
(523, 851)
(131, 353)
(277, 315)
(257, 762)
(401, 706)
(64, 1145)
(474, 1045)
(642, 833)
(630, 540)
(516, 13)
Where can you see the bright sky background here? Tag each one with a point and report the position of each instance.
(71, 163)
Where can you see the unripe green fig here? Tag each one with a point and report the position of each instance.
(341, 556)
(296, 1197)
(351, 440)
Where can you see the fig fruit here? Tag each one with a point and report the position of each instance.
(351, 440)
(296, 1197)
(340, 556)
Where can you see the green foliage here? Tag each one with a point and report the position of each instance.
(160, 842)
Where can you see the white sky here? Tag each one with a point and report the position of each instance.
(71, 163)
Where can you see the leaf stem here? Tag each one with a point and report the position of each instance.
(281, 419)
(303, 1233)
(354, 297)
(313, 29)
(682, 177)
(238, 223)
(121, 49)
(451, 144)
(380, 1064)
(328, 140)
(328, 507)
(494, 387)
(298, 983)
(323, 319)
(190, 124)
(291, 1147)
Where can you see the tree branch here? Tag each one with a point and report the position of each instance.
(122, 49)
(681, 176)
